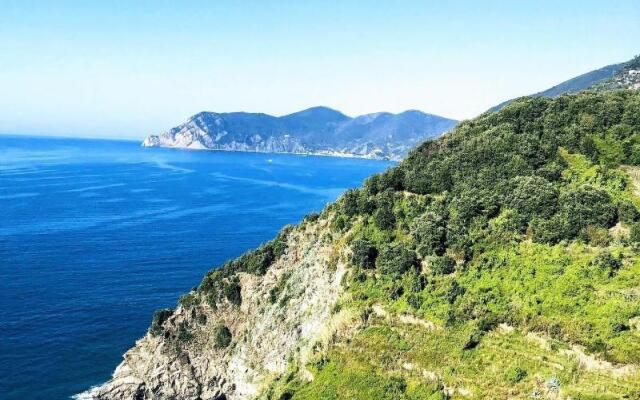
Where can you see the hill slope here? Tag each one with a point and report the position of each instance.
(615, 76)
(317, 130)
(499, 261)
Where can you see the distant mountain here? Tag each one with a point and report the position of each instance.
(624, 75)
(317, 130)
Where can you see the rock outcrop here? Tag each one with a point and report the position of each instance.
(283, 315)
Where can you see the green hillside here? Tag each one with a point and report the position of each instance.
(611, 77)
(499, 261)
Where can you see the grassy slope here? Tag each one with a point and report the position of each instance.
(524, 312)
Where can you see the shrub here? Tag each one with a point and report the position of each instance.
(453, 291)
(473, 340)
(549, 230)
(349, 203)
(188, 300)
(395, 388)
(414, 300)
(396, 259)
(222, 336)
(429, 232)
(232, 291)
(487, 323)
(627, 212)
(418, 283)
(595, 236)
(585, 206)
(366, 204)
(201, 319)
(159, 317)
(605, 261)
(339, 224)
(257, 261)
(384, 217)
(515, 375)
(363, 253)
(533, 196)
(184, 334)
(391, 179)
(443, 265)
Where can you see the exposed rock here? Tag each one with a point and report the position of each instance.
(266, 336)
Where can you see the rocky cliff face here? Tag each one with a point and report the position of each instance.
(314, 131)
(283, 316)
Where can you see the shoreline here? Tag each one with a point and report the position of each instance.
(319, 154)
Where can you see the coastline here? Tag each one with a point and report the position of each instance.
(319, 154)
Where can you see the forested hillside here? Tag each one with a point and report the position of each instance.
(611, 77)
(499, 261)
(524, 219)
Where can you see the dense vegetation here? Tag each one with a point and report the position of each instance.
(526, 218)
(512, 241)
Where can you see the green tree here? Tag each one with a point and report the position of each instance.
(429, 232)
(363, 253)
(533, 196)
(396, 259)
(587, 205)
(443, 265)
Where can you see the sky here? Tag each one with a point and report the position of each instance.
(126, 69)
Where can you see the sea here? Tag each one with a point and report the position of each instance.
(97, 234)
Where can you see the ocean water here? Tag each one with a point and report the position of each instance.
(96, 235)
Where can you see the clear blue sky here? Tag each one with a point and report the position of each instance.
(130, 68)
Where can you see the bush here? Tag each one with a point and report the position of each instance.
(222, 336)
(549, 230)
(453, 291)
(443, 265)
(232, 291)
(258, 261)
(627, 212)
(184, 334)
(363, 253)
(159, 318)
(515, 375)
(188, 300)
(339, 224)
(396, 259)
(349, 203)
(585, 206)
(414, 300)
(595, 236)
(605, 261)
(533, 196)
(473, 340)
(395, 388)
(429, 232)
(418, 283)
(384, 217)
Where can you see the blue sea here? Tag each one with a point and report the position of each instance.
(95, 235)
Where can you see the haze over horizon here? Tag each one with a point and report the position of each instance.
(129, 70)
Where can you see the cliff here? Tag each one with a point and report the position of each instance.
(499, 261)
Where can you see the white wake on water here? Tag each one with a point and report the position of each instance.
(87, 394)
